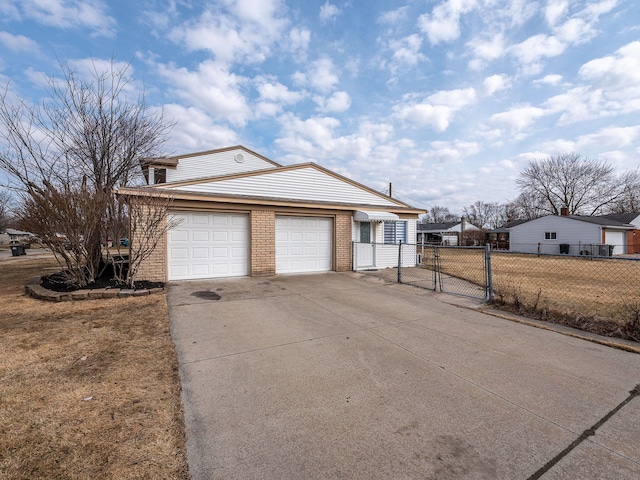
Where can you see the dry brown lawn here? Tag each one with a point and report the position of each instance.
(88, 389)
(573, 290)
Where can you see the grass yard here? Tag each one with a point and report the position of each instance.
(602, 292)
(88, 389)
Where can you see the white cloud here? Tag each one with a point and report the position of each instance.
(517, 119)
(551, 79)
(394, 16)
(406, 52)
(451, 152)
(195, 131)
(245, 33)
(495, 83)
(618, 137)
(612, 87)
(212, 87)
(535, 48)
(615, 71)
(437, 110)
(555, 10)
(338, 102)
(90, 14)
(443, 25)
(328, 12)
(486, 49)
(320, 75)
(298, 42)
(18, 43)
(273, 97)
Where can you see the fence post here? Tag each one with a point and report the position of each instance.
(400, 262)
(489, 286)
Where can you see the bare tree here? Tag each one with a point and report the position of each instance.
(526, 206)
(6, 202)
(86, 139)
(629, 201)
(438, 214)
(486, 215)
(583, 185)
(148, 223)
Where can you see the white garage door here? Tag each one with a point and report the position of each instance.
(208, 245)
(303, 244)
(617, 239)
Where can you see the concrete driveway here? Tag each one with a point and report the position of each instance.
(345, 376)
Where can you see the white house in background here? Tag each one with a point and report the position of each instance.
(572, 234)
(447, 233)
(242, 214)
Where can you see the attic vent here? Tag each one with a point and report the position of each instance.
(238, 157)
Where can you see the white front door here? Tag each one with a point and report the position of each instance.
(208, 245)
(365, 248)
(303, 244)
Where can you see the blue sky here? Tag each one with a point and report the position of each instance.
(447, 100)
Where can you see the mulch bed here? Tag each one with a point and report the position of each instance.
(58, 282)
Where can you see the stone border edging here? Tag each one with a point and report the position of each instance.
(35, 290)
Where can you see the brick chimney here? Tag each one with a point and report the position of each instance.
(564, 211)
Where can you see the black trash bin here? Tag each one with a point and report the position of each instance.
(564, 248)
(17, 250)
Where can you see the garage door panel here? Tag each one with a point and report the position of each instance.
(303, 244)
(200, 236)
(207, 245)
(178, 235)
(200, 253)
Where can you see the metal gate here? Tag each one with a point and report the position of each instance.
(455, 270)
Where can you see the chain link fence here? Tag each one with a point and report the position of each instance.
(592, 292)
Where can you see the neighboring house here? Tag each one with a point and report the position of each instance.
(18, 236)
(572, 234)
(448, 233)
(243, 214)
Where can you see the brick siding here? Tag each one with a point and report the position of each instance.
(343, 243)
(263, 243)
(154, 267)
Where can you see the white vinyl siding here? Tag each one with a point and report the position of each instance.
(386, 256)
(303, 184)
(303, 244)
(208, 245)
(529, 236)
(216, 164)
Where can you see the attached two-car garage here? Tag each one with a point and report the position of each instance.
(212, 244)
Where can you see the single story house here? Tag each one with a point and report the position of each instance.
(242, 214)
(447, 233)
(571, 234)
(18, 236)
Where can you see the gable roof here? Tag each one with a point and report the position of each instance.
(306, 184)
(173, 161)
(602, 221)
(622, 217)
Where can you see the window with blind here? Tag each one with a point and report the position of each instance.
(395, 232)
